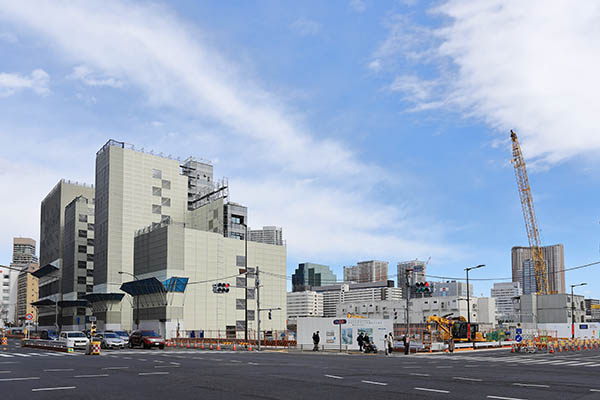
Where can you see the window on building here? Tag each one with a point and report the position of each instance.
(236, 235)
(89, 272)
(83, 218)
(82, 233)
(82, 264)
(166, 184)
(156, 209)
(80, 295)
(82, 249)
(237, 219)
(89, 288)
(90, 242)
(165, 201)
(81, 280)
(90, 227)
(81, 311)
(90, 257)
(165, 218)
(157, 173)
(156, 191)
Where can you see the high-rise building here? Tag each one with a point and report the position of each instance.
(451, 289)
(304, 304)
(415, 272)
(5, 291)
(268, 234)
(52, 247)
(366, 271)
(523, 268)
(27, 293)
(24, 251)
(134, 189)
(356, 292)
(505, 293)
(308, 275)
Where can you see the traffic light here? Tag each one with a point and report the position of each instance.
(220, 287)
(395, 314)
(93, 329)
(269, 314)
(423, 287)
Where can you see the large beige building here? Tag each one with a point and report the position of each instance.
(133, 190)
(27, 293)
(170, 250)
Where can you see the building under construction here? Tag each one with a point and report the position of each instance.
(523, 270)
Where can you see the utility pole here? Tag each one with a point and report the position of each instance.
(468, 302)
(406, 273)
(246, 283)
(258, 307)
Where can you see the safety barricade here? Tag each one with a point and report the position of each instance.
(95, 348)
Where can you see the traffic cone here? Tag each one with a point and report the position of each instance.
(234, 347)
(210, 346)
(195, 345)
(218, 346)
(249, 346)
(202, 346)
(188, 345)
(550, 348)
(512, 349)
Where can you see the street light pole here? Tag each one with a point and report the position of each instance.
(246, 283)
(573, 309)
(469, 301)
(137, 300)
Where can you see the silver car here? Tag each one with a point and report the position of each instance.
(110, 340)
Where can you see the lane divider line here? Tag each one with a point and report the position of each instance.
(20, 379)
(530, 385)
(53, 388)
(467, 379)
(334, 376)
(59, 370)
(418, 374)
(375, 383)
(431, 390)
(153, 373)
(504, 398)
(91, 376)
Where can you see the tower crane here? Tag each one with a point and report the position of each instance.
(533, 232)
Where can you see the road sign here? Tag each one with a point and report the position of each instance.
(519, 331)
(339, 322)
(518, 338)
(92, 318)
(29, 316)
(595, 306)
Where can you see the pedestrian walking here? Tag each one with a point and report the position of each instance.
(390, 343)
(385, 344)
(406, 341)
(360, 341)
(316, 340)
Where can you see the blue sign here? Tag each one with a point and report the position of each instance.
(519, 331)
(518, 338)
(78, 320)
(339, 322)
(583, 326)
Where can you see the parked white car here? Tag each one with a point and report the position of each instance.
(74, 339)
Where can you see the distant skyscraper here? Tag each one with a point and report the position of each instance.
(417, 275)
(24, 251)
(310, 275)
(268, 234)
(504, 293)
(523, 269)
(367, 271)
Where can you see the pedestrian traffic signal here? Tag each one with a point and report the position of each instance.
(395, 314)
(220, 287)
(269, 314)
(423, 287)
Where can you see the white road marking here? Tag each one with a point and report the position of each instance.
(460, 378)
(127, 358)
(418, 374)
(375, 383)
(253, 363)
(21, 355)
(142, 359)
(153, 373)
(504, 398)
(530, 385)
(19, 379)
(115, 368)
(58, 369)
(5, 355)
(91, 376)
(175, 363)
(5, 372)
(166, 366)
(582, 363)
(594, 390)
(431, 390)
(235, 361)
(444, 366)
(196, 358)
(54, 388)
(334, 376)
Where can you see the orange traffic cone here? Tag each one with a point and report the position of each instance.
(234, 347)
(210, 346)
(218, 346)
(551, 348)
(202, 346)
(249, 346)
(512, 349)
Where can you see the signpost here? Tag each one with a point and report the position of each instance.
(29, 316)
(340, 322)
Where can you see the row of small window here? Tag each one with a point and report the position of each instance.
(90, 242)
(84, 264)
(81, 280)
(156, 209)
(84, 218)
(84, 248)
(83, 233)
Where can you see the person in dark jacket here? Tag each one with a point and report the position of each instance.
(360, 341)
(316, 340)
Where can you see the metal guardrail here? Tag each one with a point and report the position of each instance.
(56, 345)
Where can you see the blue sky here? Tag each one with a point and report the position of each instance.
(366, 129)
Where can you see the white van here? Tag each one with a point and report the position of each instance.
(74, 339)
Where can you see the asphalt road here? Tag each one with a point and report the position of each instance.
(194, 374)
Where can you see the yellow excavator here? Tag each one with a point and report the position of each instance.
(455, 329)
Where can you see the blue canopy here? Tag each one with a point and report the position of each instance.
(176, 284)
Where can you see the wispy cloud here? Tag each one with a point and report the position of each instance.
(85, 75)
(358, 5)
(537, 74)
(157, 53)
(306, 27)
(8, 37)
(12, 83)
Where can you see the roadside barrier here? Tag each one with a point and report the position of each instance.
(4, 341)
(95, 348)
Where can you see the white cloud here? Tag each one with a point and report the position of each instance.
(358, 5)
(525, 65)
(375, 65)
(12, 83)
(306, 27)
(9, 37)
(157, 124)
(152, 50)
(84, 74)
